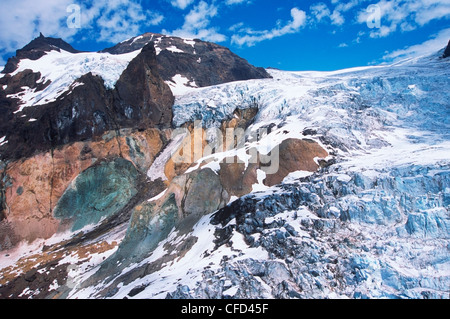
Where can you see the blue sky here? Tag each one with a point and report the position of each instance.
(286, 34)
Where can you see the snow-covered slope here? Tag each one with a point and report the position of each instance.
(63, 68)
(375, 224)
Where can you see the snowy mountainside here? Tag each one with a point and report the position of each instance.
(63, 68)
(374, 223)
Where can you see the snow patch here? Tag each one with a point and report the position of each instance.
(159, 196)
(189, 42)
(174, 49)
(181, 85)
(157, 169)
(3, 141)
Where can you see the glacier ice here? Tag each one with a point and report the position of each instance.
(373, 222)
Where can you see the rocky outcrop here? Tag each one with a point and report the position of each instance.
(296, 155)
(447, 51)
(75, 138)
(98, 192)
(142, 96)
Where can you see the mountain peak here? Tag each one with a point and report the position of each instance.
(37, 48)
(45, 44)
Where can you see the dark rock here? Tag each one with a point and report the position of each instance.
(201, 62)
(141, 89)
(205, 193)
(137, 290)
(447, 51)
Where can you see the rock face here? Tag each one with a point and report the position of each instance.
(447, 51)
(143, 99)
(200, 63)
(98, 192)
(50, 147)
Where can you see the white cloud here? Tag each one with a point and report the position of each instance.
(434, 12)
(434, 44)
(348, 5)
(22, 20)
(337, 18)
(405, 15)
(110, 21)
(181, 4)
(236, 27)
(319, 11)
(197, 24)
(253, 37)
(117, 20)
(231, 2)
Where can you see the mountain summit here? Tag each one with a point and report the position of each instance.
(36, 49)
(192, 62)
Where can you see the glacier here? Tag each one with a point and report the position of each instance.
(374, 222)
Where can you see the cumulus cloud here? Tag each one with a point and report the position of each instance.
(319, 11)
(401, 15)
(109, 21)
(253, 37)
(22, 20)
(197, 24)
(181, 4)
(117, 20)
(337, 18)
(434, 44)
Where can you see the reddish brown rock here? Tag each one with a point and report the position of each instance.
(40, 181)
(296, 155)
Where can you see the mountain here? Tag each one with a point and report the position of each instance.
(68, 96)
(285, 185)
(192, 62)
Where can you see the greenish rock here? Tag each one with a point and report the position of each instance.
(205, 193)
(19, 190)
(152, 223)
(149, 225)
(98, 192)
